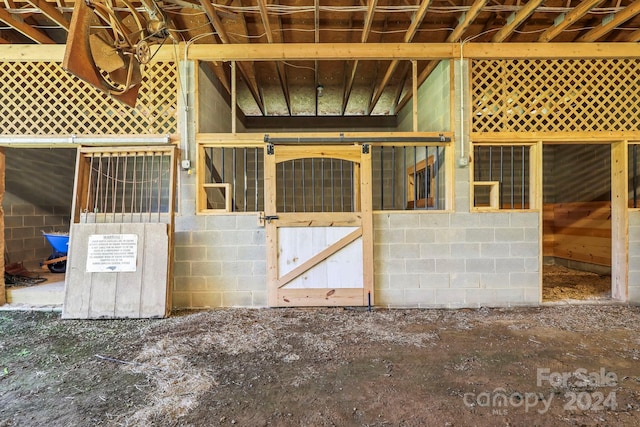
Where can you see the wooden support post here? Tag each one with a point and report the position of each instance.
(366, 205)
(270, 209)
(535, 176)
(414, 86)
(3, 298)
(234, 97)
(619, 221)
(535, 203)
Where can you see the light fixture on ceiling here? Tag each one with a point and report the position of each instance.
(320, 89)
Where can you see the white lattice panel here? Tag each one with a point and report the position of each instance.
(40, 98)
(556, 95)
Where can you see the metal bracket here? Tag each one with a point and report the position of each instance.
(270, 149)
(267, 218)
(365, 148)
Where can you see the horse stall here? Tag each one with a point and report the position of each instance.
(36, 205)
(577, 223)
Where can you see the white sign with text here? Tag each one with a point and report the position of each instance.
(108, 253)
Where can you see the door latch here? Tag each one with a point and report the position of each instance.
(267, 218)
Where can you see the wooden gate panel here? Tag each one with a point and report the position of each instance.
(125, 194)
(98, 295)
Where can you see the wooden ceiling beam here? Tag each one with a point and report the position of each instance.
(342, 51)
(51, 12)
(550, 50)
(517, 19)
(409, 35)
(569, 19)
(246, 71)
(618, 19)
(323, 51)
(408, 51)
(25, 29)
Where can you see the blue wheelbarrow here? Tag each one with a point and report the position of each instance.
(57, 261)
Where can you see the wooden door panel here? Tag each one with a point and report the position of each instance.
(319, 258)
(315, 257)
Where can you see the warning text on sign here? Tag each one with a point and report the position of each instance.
(112, 253)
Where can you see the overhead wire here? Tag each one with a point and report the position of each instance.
(177, 6)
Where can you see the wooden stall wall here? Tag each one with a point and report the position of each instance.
(578, 231)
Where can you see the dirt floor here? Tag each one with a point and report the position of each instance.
(573, 365)
(562, 283)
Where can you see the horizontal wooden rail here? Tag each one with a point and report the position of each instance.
(352, 51)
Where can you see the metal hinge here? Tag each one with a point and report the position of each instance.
(365, 148)
(270, 149)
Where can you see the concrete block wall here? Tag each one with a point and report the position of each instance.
(435, 92)
(24, 224)
(219, 261)
(453, 260)
(421, 260)
(634, 257)
(39, 189)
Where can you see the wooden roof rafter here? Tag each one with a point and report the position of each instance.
(606, 27)
(368, 20)
(351, 76)
(275, 37)
(246, 69)
(24, 28)
(400, 88)
(568, 19)
(464, 22)
(634, 36)
(418, 16)
(202, 32)
(516, 19)
(316, 39)
(51, 12)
